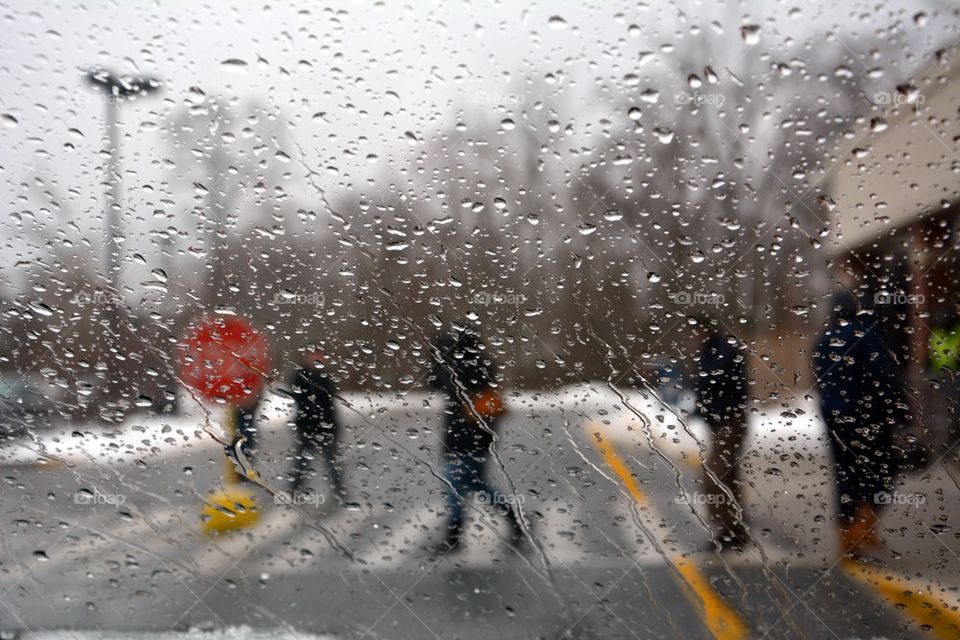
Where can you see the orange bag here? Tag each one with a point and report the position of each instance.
(487, 404)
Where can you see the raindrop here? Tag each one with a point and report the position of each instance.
(910, 92)
(650, 95)
(827, 201)
(663, 135)
(750, 33)
(41, 309)
(235, 64)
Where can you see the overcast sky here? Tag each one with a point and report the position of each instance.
(376, 70)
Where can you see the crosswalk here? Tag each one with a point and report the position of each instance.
(592, 518)
(378, 537)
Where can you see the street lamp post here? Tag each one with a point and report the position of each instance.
(116, 89)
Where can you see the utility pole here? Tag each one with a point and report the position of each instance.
(115, 89)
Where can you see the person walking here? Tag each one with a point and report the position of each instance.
(863, 401)
(316, 428)
(463, 373)
(721, 392)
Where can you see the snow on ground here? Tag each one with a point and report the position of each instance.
(776, 433)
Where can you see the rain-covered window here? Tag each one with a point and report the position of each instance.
(480, 320)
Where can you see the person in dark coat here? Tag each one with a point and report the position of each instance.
(316, 428)
(863, 401)
(721, 391)
(463, 373)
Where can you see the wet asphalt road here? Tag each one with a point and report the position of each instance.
(613, 551)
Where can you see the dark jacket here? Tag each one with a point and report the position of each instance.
(313, 391)
(460, 371)
(857, 377)
(721, 385)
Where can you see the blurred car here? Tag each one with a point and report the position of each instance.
(27, 403)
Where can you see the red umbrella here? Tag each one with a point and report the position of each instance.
(224, 358)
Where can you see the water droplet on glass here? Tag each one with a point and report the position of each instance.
(235, 64)
(650, 95)
(750, 33)
(663, 135)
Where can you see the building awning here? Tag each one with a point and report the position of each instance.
(904, 165)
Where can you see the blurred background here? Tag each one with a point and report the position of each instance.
(578, 182)
(359, 175)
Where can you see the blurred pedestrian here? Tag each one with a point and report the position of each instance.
(721, 390)
(316, 428)
(863, 402)
(473, 404)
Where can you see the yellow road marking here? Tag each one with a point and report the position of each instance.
(40, 463)
(934, 615)
(722, 621)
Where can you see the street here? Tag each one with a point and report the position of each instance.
(617, 544)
